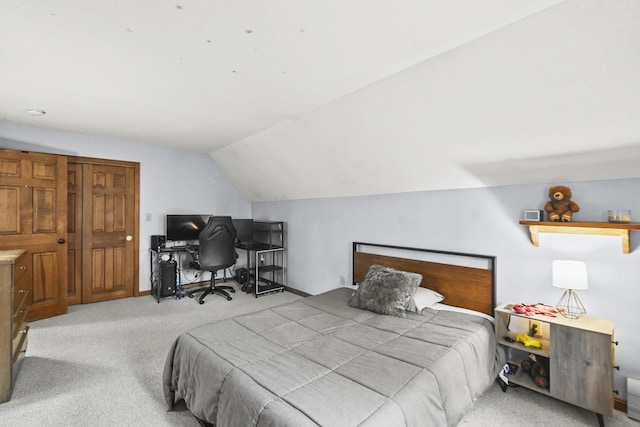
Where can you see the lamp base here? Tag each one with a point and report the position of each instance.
(570, 305)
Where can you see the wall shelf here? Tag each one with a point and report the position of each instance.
(593, 228)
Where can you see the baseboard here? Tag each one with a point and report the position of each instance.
(205, 283)
(620, 404)
(144, 293)
(296, 291)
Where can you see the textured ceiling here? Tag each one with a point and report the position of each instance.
(303, 99)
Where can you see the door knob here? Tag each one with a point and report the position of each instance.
(61, 241)
(129, 238)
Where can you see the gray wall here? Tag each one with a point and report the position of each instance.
(320, 232)
(171, 180)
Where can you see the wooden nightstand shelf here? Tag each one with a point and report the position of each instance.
(593, 228)
(580, 358)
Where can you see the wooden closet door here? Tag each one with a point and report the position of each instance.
(74, 233)
(33, 202)
(109, 232)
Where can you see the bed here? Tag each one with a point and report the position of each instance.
(321, 362)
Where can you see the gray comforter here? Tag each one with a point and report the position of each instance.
(317, 361)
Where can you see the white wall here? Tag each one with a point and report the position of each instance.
(171, 180)
(320, 231)
(484, 221)
(549, 98)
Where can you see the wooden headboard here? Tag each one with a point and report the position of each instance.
(462, 286)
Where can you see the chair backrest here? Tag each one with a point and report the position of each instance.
(217, 244)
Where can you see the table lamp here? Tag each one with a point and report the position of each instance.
(570, 275)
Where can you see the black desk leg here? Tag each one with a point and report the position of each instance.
(153, 257)
(600, 420)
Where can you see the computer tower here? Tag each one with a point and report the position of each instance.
(158, 241)
(167, 285)
(242, 275)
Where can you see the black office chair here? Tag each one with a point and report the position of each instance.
(216, 252)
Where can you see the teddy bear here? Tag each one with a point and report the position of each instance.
(560, 207)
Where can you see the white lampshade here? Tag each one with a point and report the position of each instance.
(570, 275)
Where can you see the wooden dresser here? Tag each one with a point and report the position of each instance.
(13, 312)
(579, 354)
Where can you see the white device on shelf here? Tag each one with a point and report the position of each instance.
(533, 215)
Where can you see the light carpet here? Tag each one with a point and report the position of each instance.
(101, 365)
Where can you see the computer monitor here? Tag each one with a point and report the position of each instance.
(244, 229)
(185, 227)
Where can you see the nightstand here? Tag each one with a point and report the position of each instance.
(579, 355)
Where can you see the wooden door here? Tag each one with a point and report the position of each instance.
(74, 233)
(33, 203)
(109, 231)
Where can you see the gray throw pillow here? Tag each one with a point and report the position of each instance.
(385, 290)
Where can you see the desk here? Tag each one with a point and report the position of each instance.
(265, 254)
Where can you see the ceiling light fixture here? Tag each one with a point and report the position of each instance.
(35, 112)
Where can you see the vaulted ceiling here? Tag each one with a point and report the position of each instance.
(321, 98)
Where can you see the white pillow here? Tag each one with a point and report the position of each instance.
(423, 298)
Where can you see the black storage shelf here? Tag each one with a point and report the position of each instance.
(266, 258)
(268, 269)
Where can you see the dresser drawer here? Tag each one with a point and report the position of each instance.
(20, 343)
(19, 297)
(20, 269)
(22, 278)
(18, 357)
(20, 314)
